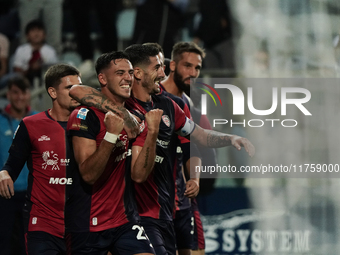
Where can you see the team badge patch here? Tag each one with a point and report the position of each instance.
(166, 120)
(82, 113)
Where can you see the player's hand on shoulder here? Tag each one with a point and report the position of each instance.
(238, 142)
(6, 185)
(113, 123)
(153, 119)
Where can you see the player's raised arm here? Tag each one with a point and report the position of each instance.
(92, 160)
(143, 157)
(89, 96)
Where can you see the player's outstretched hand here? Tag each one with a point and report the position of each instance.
(238, 142)
(153, 118)
(192, 188)
(131, 125)
(6, 185)
(113, 123)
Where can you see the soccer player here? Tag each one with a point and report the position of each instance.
(107, 219)
(155, 196)
(188, 186)
(41, 141)
(186, 63)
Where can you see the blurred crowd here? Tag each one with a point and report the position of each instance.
(35, 34)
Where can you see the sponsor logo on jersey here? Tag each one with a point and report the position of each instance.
(61, 181)
(123, 156)
(64, 161)
(79, 126)
(82, 113)
(166, 120)
(51, 159)
(44, 138)
(122, 140)
(163, 144)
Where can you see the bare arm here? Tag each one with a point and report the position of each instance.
(143, 158)
(91, 97)
(214, 139)
(92, 160)
(192, 185)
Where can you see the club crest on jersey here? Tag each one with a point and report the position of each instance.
(166, 120)
(50, 159)
(141, 126)
(82, 113)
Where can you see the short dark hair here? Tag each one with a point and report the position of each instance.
(104, 61)
(55, 73)
(182, 47)
(139, 54)
(157, 45)
(34, 24)
(20, 81)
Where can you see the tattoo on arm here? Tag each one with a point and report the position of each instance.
(217, 139)
(99, 101)
(146, 157)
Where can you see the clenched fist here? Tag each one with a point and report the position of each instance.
(113, 123)
(153, 118)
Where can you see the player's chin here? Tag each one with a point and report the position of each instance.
(74, 105)
(157, 90)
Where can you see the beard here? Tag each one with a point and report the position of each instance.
(153, 89)
(178, 79)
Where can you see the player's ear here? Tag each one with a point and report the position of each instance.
(138, 73)
(52, 92)
(172, 66)
(102, 79)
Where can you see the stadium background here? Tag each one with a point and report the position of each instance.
(276, 39)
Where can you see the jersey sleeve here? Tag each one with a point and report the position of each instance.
(183, 125)
(84, 122)
(19, 152)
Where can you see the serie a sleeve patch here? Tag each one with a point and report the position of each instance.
(82, 113)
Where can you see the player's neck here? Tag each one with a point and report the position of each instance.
(117, 100)
(141, 93)
(170, 86)
(59, 114)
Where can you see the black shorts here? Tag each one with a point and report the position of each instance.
(161, 234)
(39, 242)
(127, 239)
(184, 229)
